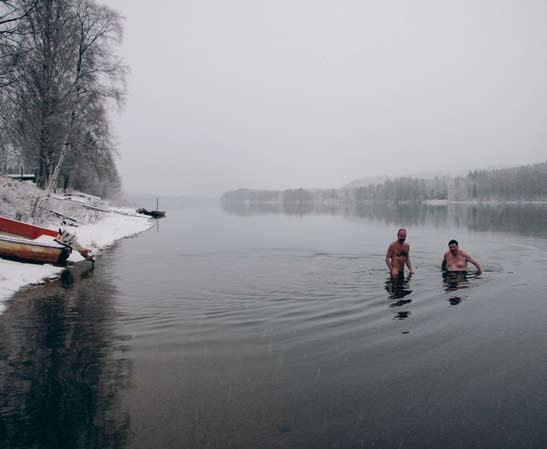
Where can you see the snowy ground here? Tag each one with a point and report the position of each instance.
(98, 225)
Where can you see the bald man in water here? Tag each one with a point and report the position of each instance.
(398, 254)
(456, 259)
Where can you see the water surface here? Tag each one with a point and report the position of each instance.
(259, 329)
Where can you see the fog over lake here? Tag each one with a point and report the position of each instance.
(284, 94)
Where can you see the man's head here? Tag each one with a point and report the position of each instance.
(453, 246)
(401, 235)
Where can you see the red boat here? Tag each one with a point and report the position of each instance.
(30, 243)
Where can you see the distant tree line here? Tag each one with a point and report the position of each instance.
(528, 182)
(525, 183)
(59, 75)
(403, 189)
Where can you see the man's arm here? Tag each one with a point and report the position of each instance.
(474, 262)
(389, 256)
(444, 263)
(408, 263)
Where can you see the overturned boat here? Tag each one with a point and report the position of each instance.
(29, 243)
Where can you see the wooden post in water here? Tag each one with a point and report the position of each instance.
(157, 219)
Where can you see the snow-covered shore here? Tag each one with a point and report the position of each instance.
(97, 225)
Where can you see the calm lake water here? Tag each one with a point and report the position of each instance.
(259, 329)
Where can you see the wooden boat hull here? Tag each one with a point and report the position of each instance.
(21, 244)
(29, 251)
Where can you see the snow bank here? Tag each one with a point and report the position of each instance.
(14, 275)
(112, 227)
(97, 226)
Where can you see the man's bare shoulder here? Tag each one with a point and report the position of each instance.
(464, 254)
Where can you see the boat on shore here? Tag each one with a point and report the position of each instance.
(151, 213)
(29, 243)
(22, 229)
(157, 213)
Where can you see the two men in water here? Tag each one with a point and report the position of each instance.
(398, 255)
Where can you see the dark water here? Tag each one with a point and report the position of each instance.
(258, 329)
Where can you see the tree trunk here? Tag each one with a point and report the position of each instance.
(52, 185)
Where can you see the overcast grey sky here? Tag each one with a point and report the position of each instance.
(313, 93)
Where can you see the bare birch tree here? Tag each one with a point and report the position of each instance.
(98, 75)
(66, 75)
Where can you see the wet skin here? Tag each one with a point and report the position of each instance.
(456, 259)
(398, 254)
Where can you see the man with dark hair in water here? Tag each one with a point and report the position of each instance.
(398, 254)
(456, 259)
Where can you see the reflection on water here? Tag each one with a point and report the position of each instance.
(412, 214)
(67, 278)
(398, 289)
(523, 219)
(60, 370)
(454, 281)
(402, 315)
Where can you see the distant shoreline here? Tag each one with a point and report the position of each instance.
(477, 202)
